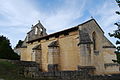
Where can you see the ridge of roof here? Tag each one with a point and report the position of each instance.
(60, 32)
(91, 20)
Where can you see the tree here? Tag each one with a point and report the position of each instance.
(6, 51)
(20, 42)
(116, 34)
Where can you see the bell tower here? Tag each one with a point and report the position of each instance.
(36, 31)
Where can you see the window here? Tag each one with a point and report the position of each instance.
(41, 29)
(94, 40)
(53, 56)
(27, 37)
(36, 30)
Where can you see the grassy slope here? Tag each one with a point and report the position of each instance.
(9, 71)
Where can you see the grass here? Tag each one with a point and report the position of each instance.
(10, 71)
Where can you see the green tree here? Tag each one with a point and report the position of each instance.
(20, 42)
(116, 34)
(6, 51)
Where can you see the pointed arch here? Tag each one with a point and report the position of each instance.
(37, 55)
(53, 56)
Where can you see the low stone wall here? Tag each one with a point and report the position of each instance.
(66, 75)
(105, 77)
(82, 74)
(31, 69)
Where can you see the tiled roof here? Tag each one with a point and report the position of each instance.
(57, 33)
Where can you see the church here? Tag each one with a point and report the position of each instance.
(75, 48)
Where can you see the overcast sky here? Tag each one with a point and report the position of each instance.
(17, 16)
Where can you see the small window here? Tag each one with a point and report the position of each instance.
(36, 30)
(94, 40)
(41, 29)
(27, 37)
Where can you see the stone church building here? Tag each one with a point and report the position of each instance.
(76, 48)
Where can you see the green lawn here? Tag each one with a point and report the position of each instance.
(10, 71)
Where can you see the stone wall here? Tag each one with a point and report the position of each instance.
(68, 53)
(30, 69)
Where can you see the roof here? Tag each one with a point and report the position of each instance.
(111, 44)
(24, 45)
(37, 47)
(57, 33)
(94, 21)
(64, 31)
(53, 44)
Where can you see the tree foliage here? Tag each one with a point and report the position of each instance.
(6, 51)
(20, 42)
(116, 34)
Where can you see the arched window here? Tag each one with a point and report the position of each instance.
(53, 56)
(36, 31)
(37, 55)
(94, 40)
